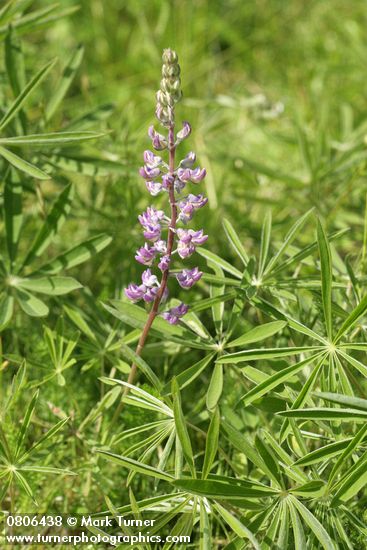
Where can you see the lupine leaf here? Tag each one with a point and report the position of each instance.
(181, 428)
(56, 138)
(54, 286)
(287, 241)
(258, 333)
(352, 319)
(274, 380)
(223, 264)
(134, 465)
(24, 94)
(353, 481)
(63, 85)
(269, 353)
(211, 443)
(324, 414)
(136, 317)
(13, 214)
(77, 255)
(347, 452)
(23, 165)
(319, 531)
(235, 241)
(26, 421)
(265, 241)
(215, 387)
(326, 276)
(30, 304)
(6, 309)
(237, 526)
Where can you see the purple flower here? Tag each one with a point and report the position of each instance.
(146, 291)
(150, 221)
(164, 263)
(167, 181)
(149, 279)
(151, 216)
(151, 160)
(195, 176)
(149, 173)
(150, 294)
(188, 277)
(184, 133)
(174, 314)
(159, 142)
(146, 254)
(188, 239)
(160, 247)
(154, 187)
(189, 205)
(135, 292)
(188, 161)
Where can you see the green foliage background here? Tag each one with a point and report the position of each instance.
(276, 95)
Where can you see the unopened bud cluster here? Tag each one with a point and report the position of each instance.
(170, 91)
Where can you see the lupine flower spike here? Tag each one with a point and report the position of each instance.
(165, 239)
